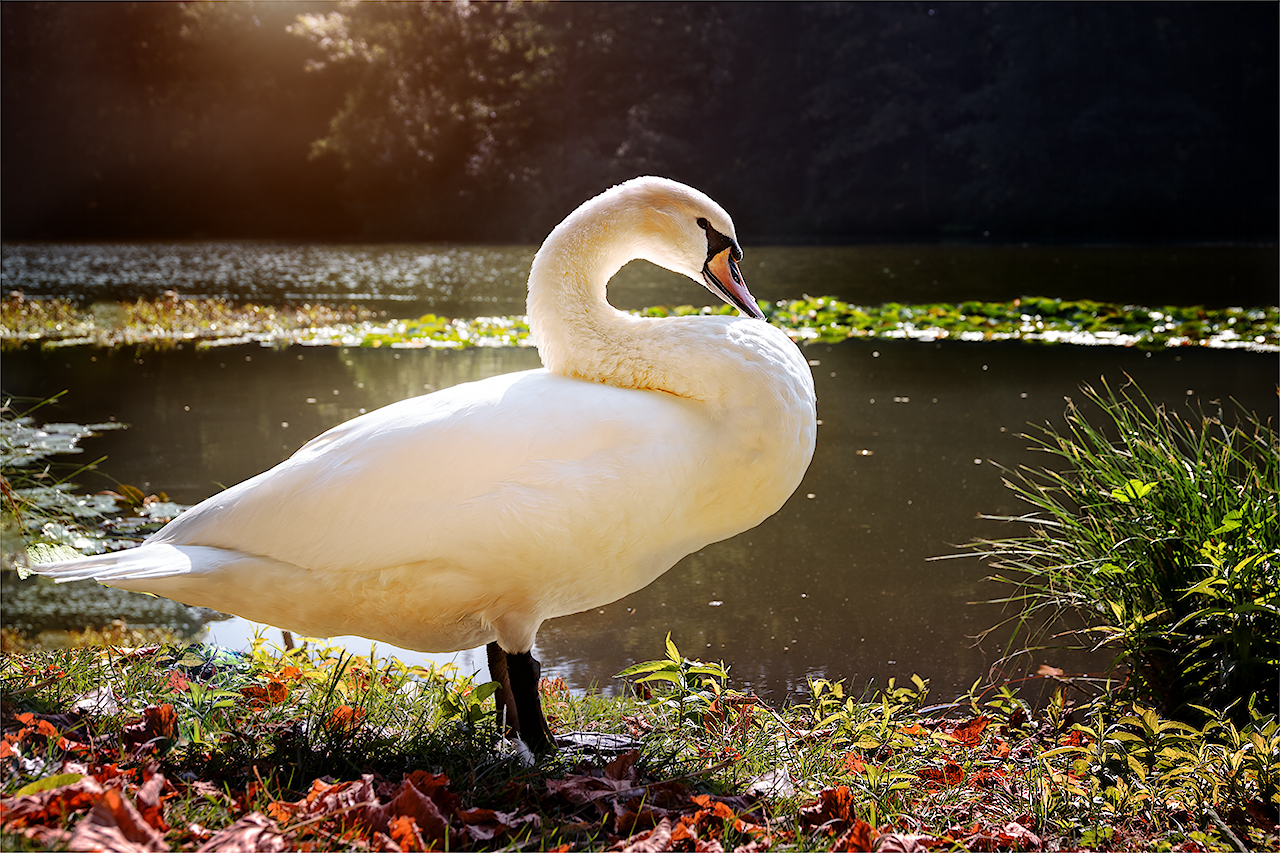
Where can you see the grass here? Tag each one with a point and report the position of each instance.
(1161, 531)
(322, 749)
(212, 322)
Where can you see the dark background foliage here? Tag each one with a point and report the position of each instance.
(824, 122)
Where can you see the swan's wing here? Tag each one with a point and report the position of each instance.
(481, 475)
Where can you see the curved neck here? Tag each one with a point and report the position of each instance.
(577, 331)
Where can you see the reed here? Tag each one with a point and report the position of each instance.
(1161, 531)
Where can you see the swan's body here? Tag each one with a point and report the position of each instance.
(473, 514)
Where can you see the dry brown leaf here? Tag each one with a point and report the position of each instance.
(969, 733)
(158, 723)
(149, 799)
(487, 824)
(656, 840)
(857, 839)
(49, 807)
(833, 804)
(113, 825)
(253, 833)
(431, 824)
(894, 842)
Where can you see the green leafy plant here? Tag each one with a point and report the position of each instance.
(691, 686)
(1162, 532)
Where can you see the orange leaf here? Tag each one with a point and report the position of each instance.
(853, 763)
(913, 729)
(114, 825)
(404, 831)
(1000, 749)
(858, 837)
(1047, 671)
(158, 721)
(49, 807)
(346, 718)
(949, 774)
(833, 804)
(969, 733)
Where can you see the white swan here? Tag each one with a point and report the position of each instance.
(471, 515)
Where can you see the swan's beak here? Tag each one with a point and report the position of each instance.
(724, 279)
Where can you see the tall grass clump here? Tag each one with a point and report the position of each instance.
(1161, 531)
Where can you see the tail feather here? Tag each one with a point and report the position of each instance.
(257, 588)
(146, 562)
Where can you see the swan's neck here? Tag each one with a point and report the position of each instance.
(577, 331)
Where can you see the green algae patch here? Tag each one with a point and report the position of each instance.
(218, 322)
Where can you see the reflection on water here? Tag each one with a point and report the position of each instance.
(470, 281)
(838, 583)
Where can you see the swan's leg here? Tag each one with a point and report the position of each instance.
(507, 712)
(524, 670)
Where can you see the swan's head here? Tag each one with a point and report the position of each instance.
(683, 230)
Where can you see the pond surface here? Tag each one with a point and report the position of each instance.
(839, 583)
(470, 281)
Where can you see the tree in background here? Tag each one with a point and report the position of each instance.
(490, 121)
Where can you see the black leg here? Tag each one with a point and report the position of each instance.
(524, 671)
(507, 711)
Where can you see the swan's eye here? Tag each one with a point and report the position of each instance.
(717, 242)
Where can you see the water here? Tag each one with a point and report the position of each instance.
(470, 281)
(839, 583)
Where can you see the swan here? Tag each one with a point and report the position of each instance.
(471, 515)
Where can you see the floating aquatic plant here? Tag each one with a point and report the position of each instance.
(216, 322)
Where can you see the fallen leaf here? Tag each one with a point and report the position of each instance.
(344, 718)
(949, 774)
(429, 822)
(405, 833)
(969, 733)
(656, 840)
(622, 767)
(894, 842)
(49, 807)
(772, 783)
(853, 763)
(157, 725)
(1047, 671)
(856, 839)
(45, 836)
(833, 810)
(487, 824)
(177, 681)
(149, 797)
(99, 700)
(253, 833)
(1011, 836)
(274, 692)
(113, 825)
